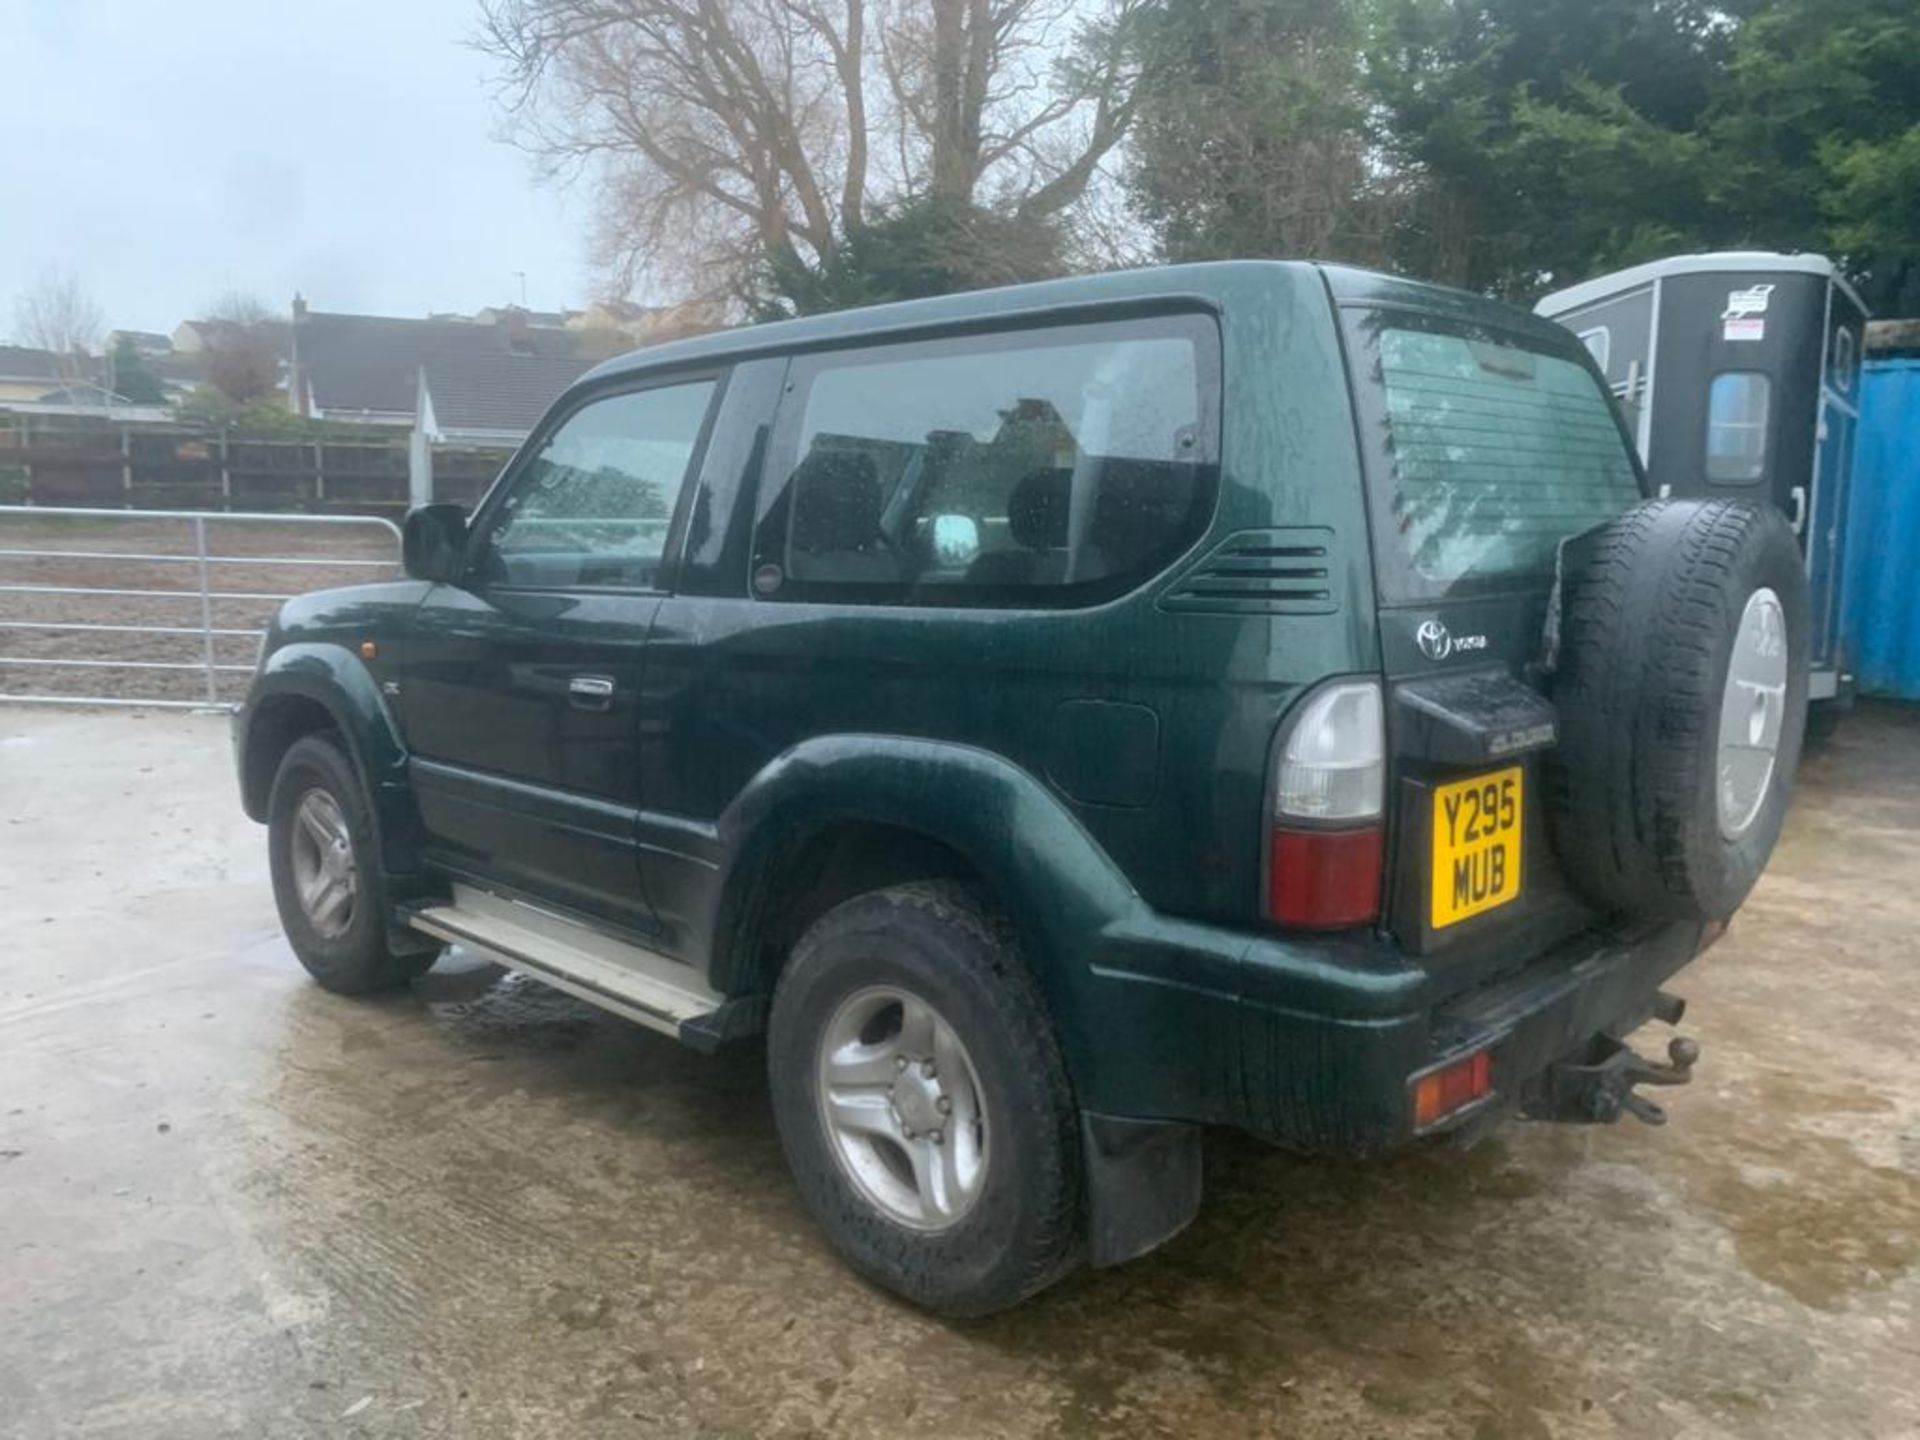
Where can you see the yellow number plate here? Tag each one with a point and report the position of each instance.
(1476, 845)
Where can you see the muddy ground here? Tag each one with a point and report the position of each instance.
(231, 1204)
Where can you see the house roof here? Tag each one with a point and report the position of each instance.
(23, 362)
(83, 394)
(509, 392)
(371, 363)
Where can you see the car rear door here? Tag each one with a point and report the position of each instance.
(1485, 447)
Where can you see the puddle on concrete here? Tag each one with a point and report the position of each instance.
(1807, 1212)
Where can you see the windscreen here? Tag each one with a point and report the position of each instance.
(1488, 450)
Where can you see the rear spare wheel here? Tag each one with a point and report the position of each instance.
(1682, 696)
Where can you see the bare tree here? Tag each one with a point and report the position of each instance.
(58, 315)
(243, 347)
(724, 134)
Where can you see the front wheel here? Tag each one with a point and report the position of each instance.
(326, 880)
(922, 1100)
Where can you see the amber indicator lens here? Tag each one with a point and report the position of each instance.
(1439, 1093)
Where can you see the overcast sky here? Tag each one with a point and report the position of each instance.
(164, 153)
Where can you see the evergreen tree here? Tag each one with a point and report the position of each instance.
(131, 377)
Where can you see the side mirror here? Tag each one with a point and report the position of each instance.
(433, 543)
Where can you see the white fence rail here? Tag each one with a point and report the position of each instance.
(85, 609)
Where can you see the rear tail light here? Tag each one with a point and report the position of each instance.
(1324, 834)
(1450, 1089)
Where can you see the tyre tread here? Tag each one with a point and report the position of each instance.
(1049, 1241)
(1649, 606)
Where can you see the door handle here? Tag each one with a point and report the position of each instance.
(1799, 497)
(590, 692)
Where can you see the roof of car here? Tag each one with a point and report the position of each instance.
(1164, 282)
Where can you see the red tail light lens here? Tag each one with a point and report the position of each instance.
(1325, 833)
(1323, 879)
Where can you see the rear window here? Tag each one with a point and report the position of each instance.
(1488, 450)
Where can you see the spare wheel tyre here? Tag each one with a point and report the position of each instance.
(1681, 686)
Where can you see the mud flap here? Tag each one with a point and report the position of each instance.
(1143, 1183)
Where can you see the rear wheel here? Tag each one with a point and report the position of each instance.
(326, 879)
(922, 1100)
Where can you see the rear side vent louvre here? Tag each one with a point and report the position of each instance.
(1260, 572)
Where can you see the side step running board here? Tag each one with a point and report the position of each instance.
(643, 986)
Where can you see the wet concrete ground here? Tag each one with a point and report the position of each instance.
(231, 1204)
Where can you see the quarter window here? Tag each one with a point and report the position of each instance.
(1737, 404)
(1599, 343)
(593, 505)
(1048, 467)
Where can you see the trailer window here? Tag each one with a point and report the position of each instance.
(1737, 405)
(1844, 358)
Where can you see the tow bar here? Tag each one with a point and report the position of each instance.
(1596, 1086)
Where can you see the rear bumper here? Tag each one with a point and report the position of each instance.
(1319, 1041)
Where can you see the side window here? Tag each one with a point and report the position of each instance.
(1050, 466)
(1845, 359)
(1599, 343)
(1737, 405)
(593, 506)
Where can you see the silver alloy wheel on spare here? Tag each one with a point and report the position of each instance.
(1752, 713)
(326, 876)
(902, 1107)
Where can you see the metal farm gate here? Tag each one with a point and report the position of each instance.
(161, 607)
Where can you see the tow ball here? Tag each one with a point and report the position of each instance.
(1597, 1086)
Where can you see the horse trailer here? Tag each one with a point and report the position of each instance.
(1739, 374)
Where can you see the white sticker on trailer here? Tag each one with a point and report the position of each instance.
(1745, 317)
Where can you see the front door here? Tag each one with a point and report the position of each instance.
(521, 684)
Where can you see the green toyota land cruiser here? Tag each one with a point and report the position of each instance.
(1056, 719)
